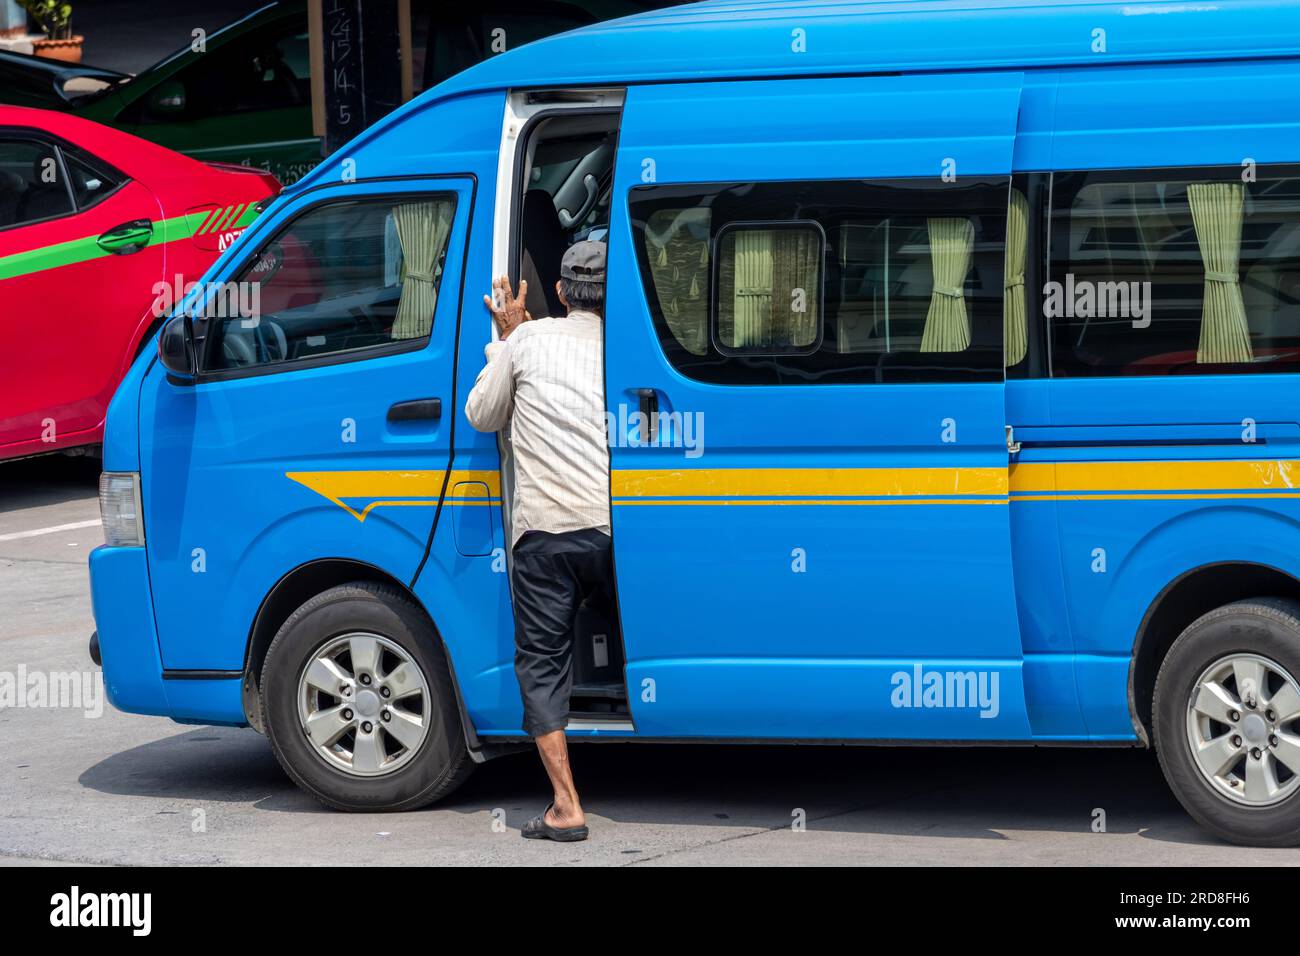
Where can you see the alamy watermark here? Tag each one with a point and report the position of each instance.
(210, 300)
(634, 428)
(133, 911)
(1085, 299)
(920, 688)
(72, 690)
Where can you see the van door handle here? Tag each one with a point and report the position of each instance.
(418, 409)
(648, 405)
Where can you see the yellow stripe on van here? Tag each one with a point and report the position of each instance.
(1032, 476)
(360, 492)
(402, 488)
(810, 486)
(367, 490)
(490, 478)
(1154, 480)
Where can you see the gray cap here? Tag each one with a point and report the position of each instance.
(584, 262)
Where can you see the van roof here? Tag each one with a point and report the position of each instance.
(748, 38)
(735, 39)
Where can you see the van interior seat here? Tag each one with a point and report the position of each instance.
(544, 242)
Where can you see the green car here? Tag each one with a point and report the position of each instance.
(246, 97)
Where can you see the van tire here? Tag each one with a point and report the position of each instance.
(440, 763)
(1265, 627)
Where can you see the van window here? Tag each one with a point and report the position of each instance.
(769, 288)
(342, 277)
(904, 279)
(676, 246)
(1175, 272)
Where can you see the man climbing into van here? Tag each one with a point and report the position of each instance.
(543, 379)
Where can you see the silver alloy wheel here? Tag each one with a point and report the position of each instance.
(1240, 725)
(364, 704)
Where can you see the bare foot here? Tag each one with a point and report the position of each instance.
(565, 817)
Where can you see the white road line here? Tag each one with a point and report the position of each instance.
(37, 532)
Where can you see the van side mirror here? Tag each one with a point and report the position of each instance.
(176, 346)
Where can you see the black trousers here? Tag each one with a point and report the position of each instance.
(551, 576)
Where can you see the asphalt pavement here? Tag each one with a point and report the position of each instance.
(77, 785)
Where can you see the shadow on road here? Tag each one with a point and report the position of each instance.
(917, 791)
(47, 480)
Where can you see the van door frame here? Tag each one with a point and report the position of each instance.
(524, 110)
(521, 116)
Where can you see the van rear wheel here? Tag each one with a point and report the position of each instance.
(1227, 721)
(359, 703)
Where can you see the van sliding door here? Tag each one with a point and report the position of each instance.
(804, 361)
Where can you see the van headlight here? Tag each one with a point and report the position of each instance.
(119, 509)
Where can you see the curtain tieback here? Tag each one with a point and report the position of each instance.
(1014, 282)
(950, 291)
(420, 276)
(1221, 277)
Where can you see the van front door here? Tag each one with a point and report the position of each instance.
(804, 360)
(318, 427)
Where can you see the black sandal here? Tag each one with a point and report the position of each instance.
(538, 829)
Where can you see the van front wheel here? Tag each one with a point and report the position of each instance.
(1227, 721)
(360, 707)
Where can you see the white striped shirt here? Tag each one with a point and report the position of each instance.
(545, 382)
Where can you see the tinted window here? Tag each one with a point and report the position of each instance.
(908, 279)
(32, 184)
(267, 69)
(90, 182)
(342, 277)
(1174, 271)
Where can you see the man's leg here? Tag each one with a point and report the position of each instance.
(546, 592)
(567, 811)
(592, 570)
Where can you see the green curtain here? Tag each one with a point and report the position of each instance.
(770, 282)
(752, 293)
(1015, 336)
(677, 247)
(1217, 213)
(422, 229)
(796, 266)
(946, 326)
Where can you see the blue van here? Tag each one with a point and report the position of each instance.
(984, 305)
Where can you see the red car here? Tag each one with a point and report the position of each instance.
(98, 231)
